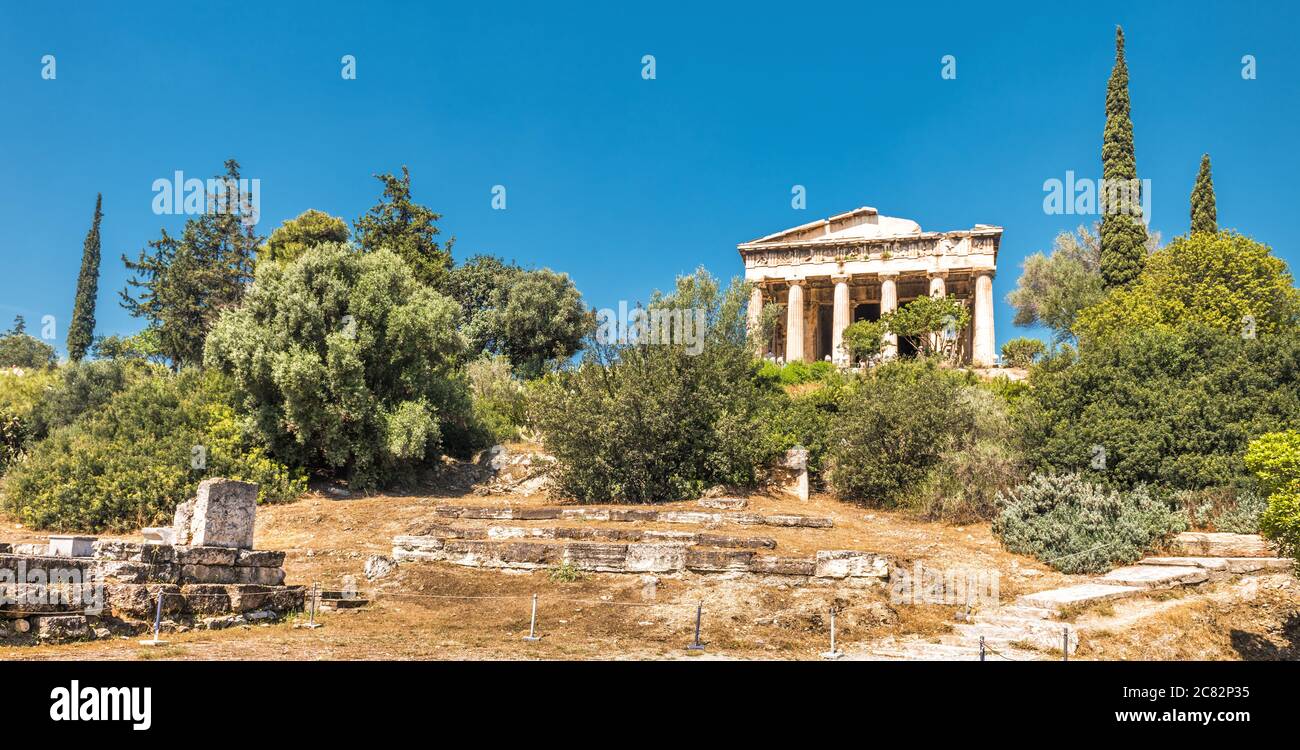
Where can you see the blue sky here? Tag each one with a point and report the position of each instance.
(619, 181)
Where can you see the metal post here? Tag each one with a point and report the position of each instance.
(157, 624)
(981, 648)
(833, 653)
(311, 623)
(532, 636)
(1065, 643)
(699, 614)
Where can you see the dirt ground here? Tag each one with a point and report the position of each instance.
(443, 611)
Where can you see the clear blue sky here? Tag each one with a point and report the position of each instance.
(622, 182)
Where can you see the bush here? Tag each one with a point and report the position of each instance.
(84, 387)
(1227, 509)
(20, 398)
(797, 373)
(645, 423)
(346, 363)
(894, 428)
(1169, 407)
(965, 483)
(1079, 527)
(1275, 460)
(129, 463)
(864, 340)
(1022, 352)
(500, 404)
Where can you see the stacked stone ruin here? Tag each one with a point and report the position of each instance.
(613, 550)
(207, 574)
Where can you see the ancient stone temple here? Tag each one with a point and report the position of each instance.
(860, 265)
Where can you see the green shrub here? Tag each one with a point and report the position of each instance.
(500, 402)
(797, 373)
(963, 486)
(345, 362)
(130, 462)
(1275, 460)
(1079, 527)
(864, 340)
(1228, 509)
(1022, 352)
(84, 387)
(894, 428)
(645, 423)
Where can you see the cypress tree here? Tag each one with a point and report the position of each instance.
(1204, 216)
(1123, 236)
(82, 330)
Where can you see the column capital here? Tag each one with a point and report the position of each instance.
(938, 274)
(888, 275)
(840, 278)
(795, 280)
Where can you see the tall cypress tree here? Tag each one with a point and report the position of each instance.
(1123, 236)
(82, 330)
(1204, 216)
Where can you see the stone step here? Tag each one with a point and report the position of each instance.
(594, 513)
(1156, 576)
(1041, 637)
(1225, 564)
(997, 617)
(1084, 593)
(1221, 544)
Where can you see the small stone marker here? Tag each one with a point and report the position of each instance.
(67, 545)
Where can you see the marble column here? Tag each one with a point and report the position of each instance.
(889, 303)
(755, 319)
(840, 320)
(984, 353)
(939, 284)
(794, 323)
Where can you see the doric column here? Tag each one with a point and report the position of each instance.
(840, 320)
(889, 303)
(939, 284)
(755, 317)
(794, 322)
(984, 353)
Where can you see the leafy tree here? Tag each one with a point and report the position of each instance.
(345, 362)
(142, 345)
(1225, 281)
(1022, 352)
(864, 340)
(17, 349)
(930, 323)
(186, 283)
(481, 285)
(297, 235)
(1052, 289)
(407, 228)
(1123, 236)
(82, 330)
(543, 321)
(1204, 216)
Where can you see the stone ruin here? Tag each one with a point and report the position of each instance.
(602, 549)
(204, 566)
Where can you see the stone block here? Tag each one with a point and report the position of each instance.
(422, 543)
(1156, 576)
(575, 532)
(491, 514)
(259, 576)
(537, 514)
(808, 522)
(738, 542)
(529, 553)
(655, 558)
(68, 545)
(182, 521)
(585, 514)
(745, 519)
(685, 537)
(724, 503)
(138, 601)
(111, 549)
(1085, 593)
(249, 598)
(224, 556)
(159, 535)
(782, 566)
(210, 574)
(63, 627)
(259, 558)
(705, 560)
(632, 514)
(845, 563)
(206, 599)
(127, 571)
(596, 556)
(224, 513)
(35, 550)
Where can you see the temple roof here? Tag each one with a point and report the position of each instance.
(863, 223)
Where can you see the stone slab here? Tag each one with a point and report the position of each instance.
(785, 566)
(655, 558)
(850, 564)
(1221, 544)
(223, 556)
(724, 503)
(259, 558)
(70, 545)
(1208, 563)
(112, 549)
(707, 560)
(1084, 593)
(596, 556)
(1156, 576)
(808, 522)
